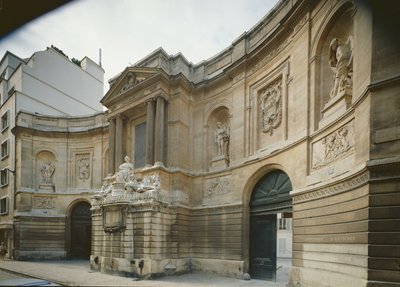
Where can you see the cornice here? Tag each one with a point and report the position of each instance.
(60, 132)
(159, 76)
(344, 183)
(284, 20)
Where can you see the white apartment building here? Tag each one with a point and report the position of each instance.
(47, 83)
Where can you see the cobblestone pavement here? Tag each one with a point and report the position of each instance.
(78, 273)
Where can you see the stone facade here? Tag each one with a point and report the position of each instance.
(60, 161)
(303, 97)
(30, 84)
(298, 120)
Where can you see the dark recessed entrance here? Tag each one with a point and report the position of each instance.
(81, 231)
(270, 200)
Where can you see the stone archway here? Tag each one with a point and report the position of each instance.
(270, 232)
(80, 231)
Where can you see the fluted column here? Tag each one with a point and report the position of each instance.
(118, 141)
(150, 133)
(160, 113)
(111, 146)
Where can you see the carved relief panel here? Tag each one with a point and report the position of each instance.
(81, 169)
(43, 202)
(216, 190)
(334, 146)
(271, 107)
(267, 110)
(83, 164)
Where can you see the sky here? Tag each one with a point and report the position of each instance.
(128, 30)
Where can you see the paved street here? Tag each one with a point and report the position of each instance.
(77, 273)
(8, 278)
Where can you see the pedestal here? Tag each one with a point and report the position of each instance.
(219, 162)
(334, 108)
(118, 188)
(47, 186)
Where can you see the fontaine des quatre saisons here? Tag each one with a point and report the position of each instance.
(278, 155)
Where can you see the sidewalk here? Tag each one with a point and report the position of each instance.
(77, 273)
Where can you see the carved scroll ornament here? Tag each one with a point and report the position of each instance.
(83, 163)
(271, 107)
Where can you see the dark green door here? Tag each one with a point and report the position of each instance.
(81, 231)
(270, 196)
(263, 247)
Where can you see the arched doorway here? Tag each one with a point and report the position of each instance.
(270, 213)
(81, 231)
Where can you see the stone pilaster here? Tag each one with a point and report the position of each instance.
(150, 133)
(111, 146)
(160, 114)
(119, 141)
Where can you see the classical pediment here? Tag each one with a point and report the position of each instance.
(126, 81)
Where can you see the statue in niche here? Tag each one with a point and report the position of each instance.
(271, 107)
(341, 63)
(221, 137)
(47, 171)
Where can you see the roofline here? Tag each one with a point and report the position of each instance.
(12, 54)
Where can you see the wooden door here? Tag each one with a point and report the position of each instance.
(263, 247)
(81, 231)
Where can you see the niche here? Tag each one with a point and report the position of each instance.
(45, 169)
(218, 135)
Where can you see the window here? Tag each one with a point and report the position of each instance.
(11, 91)
(4, 149)
(282, 223)
(3, 205)
(3, 177)
(5, 121)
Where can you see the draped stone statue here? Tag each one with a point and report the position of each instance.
(221, 137)
(341, 63)
(125, 170)
(47, 171)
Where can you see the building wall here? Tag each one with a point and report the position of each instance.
(40, 81)
(32, 85)
(75, 147)
(272, 92)
(338, 147)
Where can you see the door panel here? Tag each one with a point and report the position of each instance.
(80, 231)
(263, 247)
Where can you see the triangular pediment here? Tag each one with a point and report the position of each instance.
(126, 81)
